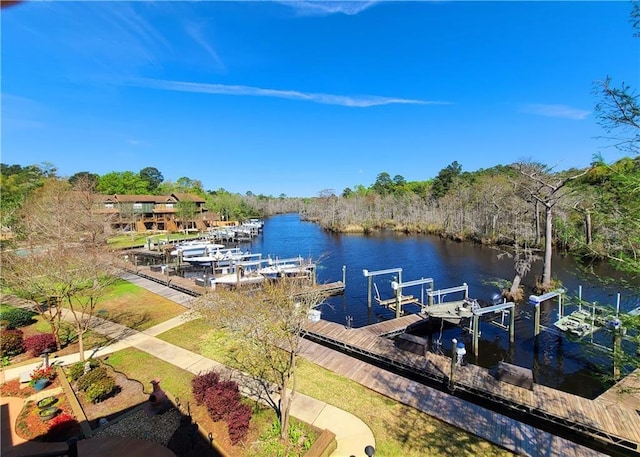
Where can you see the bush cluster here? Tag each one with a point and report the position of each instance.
(77, 369)
(92, 376)
(36, 344)
(96, 384)
(16, 317)
(101, 389)
(11, 343)
(223, 402)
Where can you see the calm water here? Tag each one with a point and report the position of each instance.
(556, 361)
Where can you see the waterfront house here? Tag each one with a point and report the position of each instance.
(141, 213)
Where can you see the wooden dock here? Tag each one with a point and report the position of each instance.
(601, 422)
(189, 286)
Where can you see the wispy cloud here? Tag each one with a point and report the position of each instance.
(562, 111)
(360, 101)
(195, 31)
(326, 7)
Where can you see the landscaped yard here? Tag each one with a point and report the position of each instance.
(144, 367)
(400, 430)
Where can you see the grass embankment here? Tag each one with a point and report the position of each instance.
(399, 430)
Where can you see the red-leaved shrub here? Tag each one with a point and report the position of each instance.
(238, 422)
(62, 427)
(36, 344)
(221, 399)
(201, 383)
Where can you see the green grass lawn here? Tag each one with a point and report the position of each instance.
(400, 430)
(136, 307)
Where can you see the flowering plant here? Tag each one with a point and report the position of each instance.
(42, 373)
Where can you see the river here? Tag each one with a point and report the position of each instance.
(556, 361)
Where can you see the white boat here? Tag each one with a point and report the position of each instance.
(219, 256)
(286, 267)
(195, 248)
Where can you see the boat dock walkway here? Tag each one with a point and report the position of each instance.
(614, 423)
(189, 286)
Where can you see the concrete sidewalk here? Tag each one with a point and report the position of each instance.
(352, 435)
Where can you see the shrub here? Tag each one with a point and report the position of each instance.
(91, 377)
(238, 422)
(61, 426)
(101, 389)
(221, 399)
(11, 343)
(36, 344)
(75, 371)
(16, 317)
(201, 383)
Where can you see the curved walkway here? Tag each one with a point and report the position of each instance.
(352, 435)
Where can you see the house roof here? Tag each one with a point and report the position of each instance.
(143, 198)
(187, 197)
(173, 198)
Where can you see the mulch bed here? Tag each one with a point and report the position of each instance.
(129, 394)
(29, 425)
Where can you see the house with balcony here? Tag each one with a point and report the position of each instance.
(142, 213)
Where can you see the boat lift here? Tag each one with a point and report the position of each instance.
(400, 300)
(370, 274)
(536, 300)
(501, 307)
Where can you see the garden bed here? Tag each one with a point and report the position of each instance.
(29, 425)
(129, 394)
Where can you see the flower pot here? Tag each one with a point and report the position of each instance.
(40, 384)
(47, 402)
(48, 413)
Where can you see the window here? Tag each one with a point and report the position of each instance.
(108, 205)
(137, 206)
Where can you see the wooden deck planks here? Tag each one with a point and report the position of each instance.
(557, 403)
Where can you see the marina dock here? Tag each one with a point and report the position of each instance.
(603, 422)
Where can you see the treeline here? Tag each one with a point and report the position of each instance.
(593, 212)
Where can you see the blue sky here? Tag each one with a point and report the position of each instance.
(300, 97)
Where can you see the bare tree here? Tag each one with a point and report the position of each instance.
(267, 324)
(64, 260)
(546, 189)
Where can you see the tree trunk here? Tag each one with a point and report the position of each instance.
(587, 227)
(515, 286)
(537, 223)
(284, 413)
(548, 244)
(81, 345)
